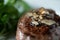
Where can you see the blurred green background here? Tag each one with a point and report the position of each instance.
(10, 12)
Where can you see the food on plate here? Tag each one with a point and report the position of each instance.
(39, 24)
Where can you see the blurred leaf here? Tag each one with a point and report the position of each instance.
(22, 6)
(25, 5)
(10, 13)
(9, 2)
(4, 18)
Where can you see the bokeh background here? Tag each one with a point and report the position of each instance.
(12, 10)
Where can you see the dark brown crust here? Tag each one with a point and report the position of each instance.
(56, 17)
(34, 31)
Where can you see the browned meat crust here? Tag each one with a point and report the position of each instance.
(36, 31)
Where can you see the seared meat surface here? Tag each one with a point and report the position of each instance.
(39, 24)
